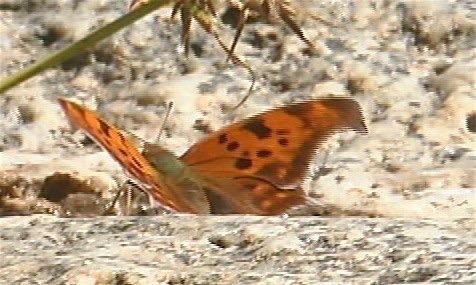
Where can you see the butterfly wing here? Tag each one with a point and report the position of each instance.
(264, 158)
(160, 189)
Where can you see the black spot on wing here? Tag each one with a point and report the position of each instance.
(104, 127)
(223, 138)
(107, 142)
(301, 110)
(263, 153)
(137, 162)
(232, 146)
(122, 138)
(283, 142)
(258, 128)
(297, 109)
(123, 152)
(283, 132)
(243, 163)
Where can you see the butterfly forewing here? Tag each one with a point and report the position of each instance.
(123, 151)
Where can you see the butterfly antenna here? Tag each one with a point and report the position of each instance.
(164, 122)
(250, 90)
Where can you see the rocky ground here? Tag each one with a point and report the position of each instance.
(409, 184)
(184, 249)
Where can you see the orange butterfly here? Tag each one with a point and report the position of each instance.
(254, 166)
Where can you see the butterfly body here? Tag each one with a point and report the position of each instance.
(164, 161)
(254, 166)
(186, 187)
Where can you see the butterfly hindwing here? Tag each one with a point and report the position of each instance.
(268, 155)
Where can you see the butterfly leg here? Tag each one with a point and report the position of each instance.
(125, 191)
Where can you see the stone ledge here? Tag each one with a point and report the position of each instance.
(187, 249)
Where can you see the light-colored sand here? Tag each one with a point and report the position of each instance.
(411, 64)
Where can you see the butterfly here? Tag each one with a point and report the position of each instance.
(254, 166)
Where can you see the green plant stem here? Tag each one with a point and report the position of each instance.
(81, 45)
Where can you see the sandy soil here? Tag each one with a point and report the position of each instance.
(411, 65)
